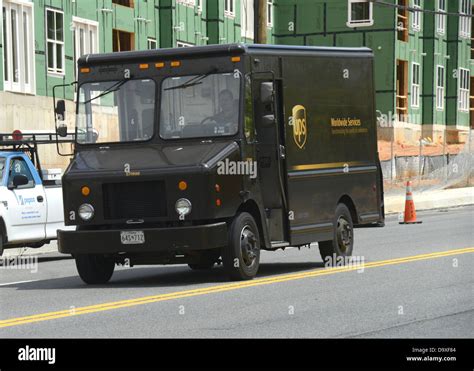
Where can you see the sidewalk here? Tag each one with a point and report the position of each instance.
(394, 203)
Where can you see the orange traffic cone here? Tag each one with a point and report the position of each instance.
(410, 212)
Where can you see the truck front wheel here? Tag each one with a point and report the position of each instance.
(343, 240)
(94, 269)
(241, 257)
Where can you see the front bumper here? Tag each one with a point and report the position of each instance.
(176, 239)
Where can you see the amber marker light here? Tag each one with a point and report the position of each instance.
(235, 59)
(175, 63)
(159, 65)
(143, 66)
(182, 185)
(85, 70)
(85, 191)
(218, 188)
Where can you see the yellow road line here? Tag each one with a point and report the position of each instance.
(221, 288)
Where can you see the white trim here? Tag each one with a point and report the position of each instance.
(440, 89)
(227, 12)
(465, 22)
(464, 90)
(247, 19)
(54, 71)
(362, 23)
(415, 87)
(153, 40)
(416, 16)
(24, 43)
(180, 44)
(270, 13)
(441, 18)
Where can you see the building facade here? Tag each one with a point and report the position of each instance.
(423, 59)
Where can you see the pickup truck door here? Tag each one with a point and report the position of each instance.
(26, 204)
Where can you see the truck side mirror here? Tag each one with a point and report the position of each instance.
(62, 131)
(60, 110)
(19, 180)
(266, 92)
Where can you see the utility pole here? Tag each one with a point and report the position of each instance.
(260, 7)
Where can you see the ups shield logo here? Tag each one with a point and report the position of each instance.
(300, 131)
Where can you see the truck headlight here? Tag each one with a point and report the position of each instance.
(183, 206)
(86, 212)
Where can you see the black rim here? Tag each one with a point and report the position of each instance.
(344, 234)
(248, 245)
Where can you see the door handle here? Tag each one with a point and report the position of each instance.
(282, 152)
(40, 198)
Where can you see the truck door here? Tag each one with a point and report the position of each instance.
(271, 155)
(26, 203)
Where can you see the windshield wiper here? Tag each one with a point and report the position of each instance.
(113, 88)
(194, 81)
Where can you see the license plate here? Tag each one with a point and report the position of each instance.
(132, 237)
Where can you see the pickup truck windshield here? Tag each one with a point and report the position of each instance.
(116, 111)
(200, 106)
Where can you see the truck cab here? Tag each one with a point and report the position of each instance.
(30, 203)
(209, 155)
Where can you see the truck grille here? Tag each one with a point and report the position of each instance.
(136, 200)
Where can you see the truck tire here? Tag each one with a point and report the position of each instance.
(94, 269)
(241, 256)
(343, 242)
(1, 244)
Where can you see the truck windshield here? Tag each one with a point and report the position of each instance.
(116, 111)
(200, 106)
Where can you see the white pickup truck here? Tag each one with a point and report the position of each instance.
(31, 204)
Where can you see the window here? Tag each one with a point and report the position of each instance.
(85, 38)
(18, 47)
(440, 83)
(463, 84)
(199, 5)
(151, 44)
(441, 18)
(125, 113)
(402, 21)
(416, 21)
(123, 41)
(360, 13)
(270, 13)
(465, 22)
(415, 85)
(247, 19)
(229, 8)
(18, 166)
(180, 44)
(55, 41)
(208, 108)
(127, 3)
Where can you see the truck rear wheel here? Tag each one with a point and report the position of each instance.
(343, 242)
(241, 256)
(94, 269)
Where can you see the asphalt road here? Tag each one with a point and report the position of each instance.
(416, 281)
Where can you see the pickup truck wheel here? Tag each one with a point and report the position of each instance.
(241, 257)
(94, 269)
(343, 241)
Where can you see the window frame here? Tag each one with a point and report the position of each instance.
(9, 175)
(247, 12)
(55, 71)
(25, 47)
(465, 7)
(365, 23)
(151, 40)
(77, 22)
(182, 44)
(270, 13)
(229, 8)
(464, 90)
(441, 18)
(416, 16)
(188, 3)
(415, 86)
(440, 89)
